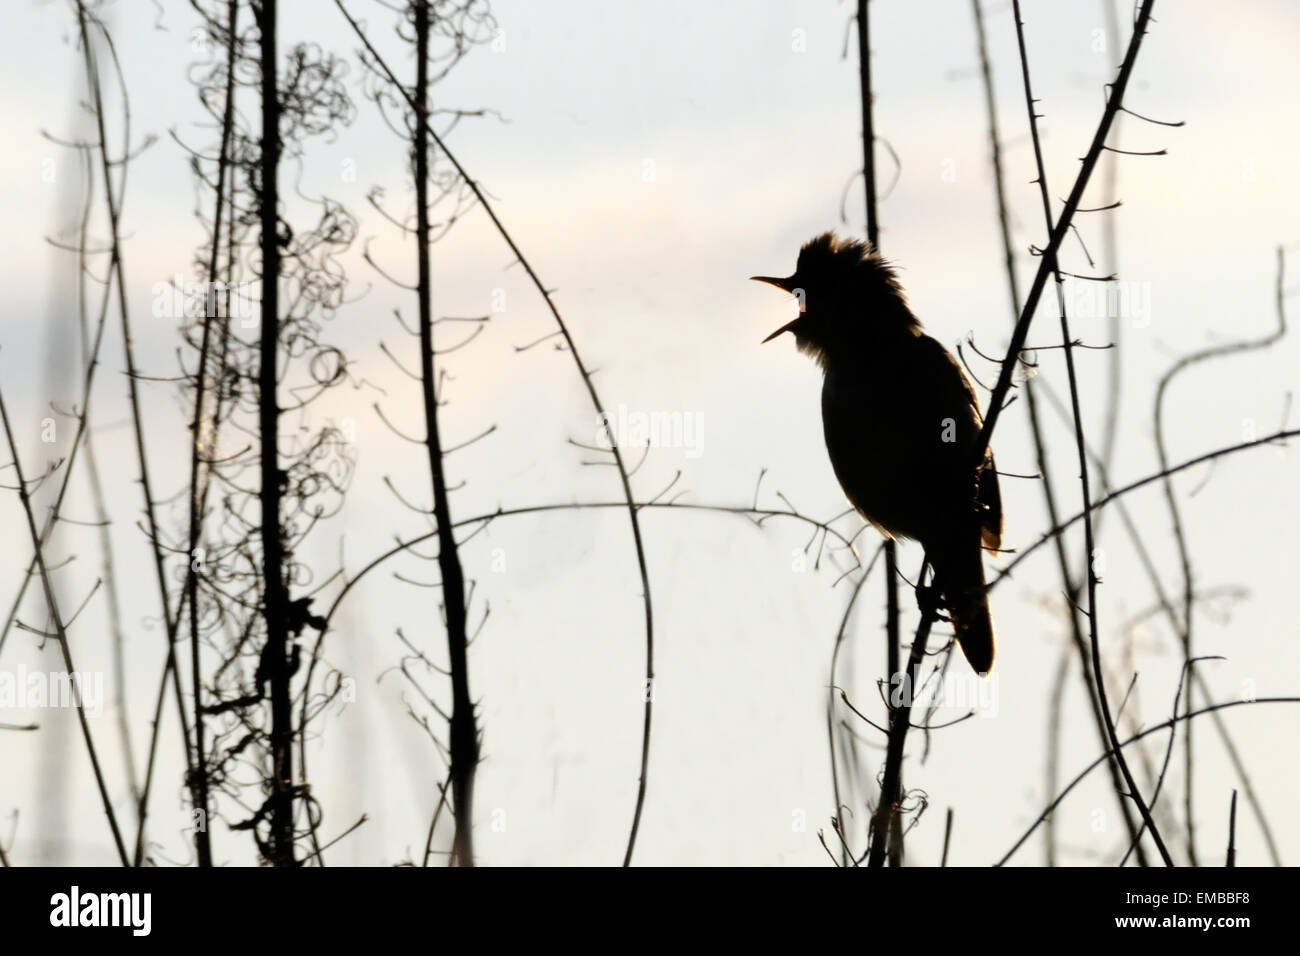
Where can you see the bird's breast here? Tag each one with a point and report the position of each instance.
(868, 442)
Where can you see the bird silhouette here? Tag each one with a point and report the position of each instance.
(901, 422)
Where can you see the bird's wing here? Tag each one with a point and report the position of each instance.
(944, 374)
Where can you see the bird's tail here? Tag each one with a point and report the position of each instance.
(959, 576)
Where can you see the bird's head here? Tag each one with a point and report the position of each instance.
(849, 298)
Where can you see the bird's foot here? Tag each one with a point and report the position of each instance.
(928, 599)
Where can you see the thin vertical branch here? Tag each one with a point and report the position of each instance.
(117, 275)
(1050, 263)
(202, 839)
(892, 636)
(216, 417)
(274, 599)
(873, 237)
(1232, 832)
(868, 122)
(947, 837)
(116, 267)
(464, 730)
(1110, 266)
(1069, 582)
(900, 713)
(1052, 765)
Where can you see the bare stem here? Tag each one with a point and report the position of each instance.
(274, 599)
(464, 731)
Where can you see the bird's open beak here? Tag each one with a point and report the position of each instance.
(788, 327)
(785, 285)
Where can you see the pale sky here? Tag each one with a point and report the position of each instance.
(653, 156)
